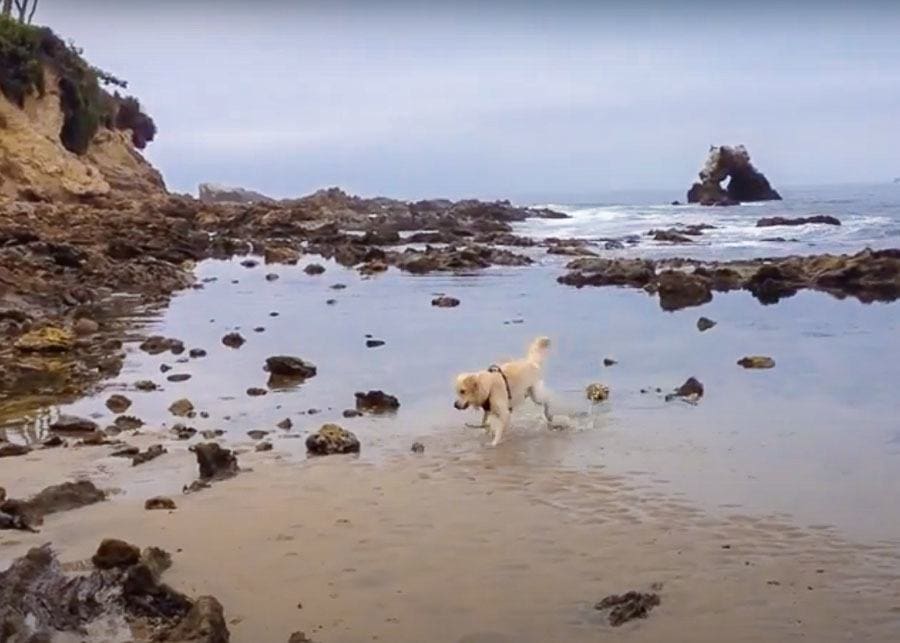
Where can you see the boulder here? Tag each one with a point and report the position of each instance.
(159, 502)
(332, 439)
(281, 254)
(288, 366)
(746, 183)
(113, 552)
(376, 402)
(678, 289)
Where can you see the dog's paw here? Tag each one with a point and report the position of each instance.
(560, 423)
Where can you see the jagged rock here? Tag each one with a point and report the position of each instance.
(445, 302)
(215, 462)
(151, 453)
(159, 502)
(628, 606)
(746, 182)
(205, 622)
(376, 402)
(704, 324)
(73, 424)
(118, 403)
(181, 408)
(218, 193)
(782, 221)
(288, 366)
(233, 340)
(417, 447)
(331, 439)
(609, 272)
(756, 361)
(285, 424)
(128, 423)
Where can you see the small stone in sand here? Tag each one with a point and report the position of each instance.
(314, 269)
(285, 424)
(255, 391)
(691, 391)
(271, 276)
(159, 502)
(249, 263)
(756, 361)
(274, 313)
(128, 423)
(151, 453)
(299, 637)
(330, 302)
(257, 434)
(183, 432)
(331, 439)
(705, 323)
(259, 329)
(197, 352)
(233, 340)
(607, 361)
(113, 552)
(313, 411)
(163, 368)
(374, 343)
(118, 403)
(351, 413)
(179, 377)
(417, 447)
(288, 366)
(338, 286)
(445, 302)
(211, 434)
(264, 446)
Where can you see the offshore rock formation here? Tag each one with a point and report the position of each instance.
(218, 193)
(746, 183)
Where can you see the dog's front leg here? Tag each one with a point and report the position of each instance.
(498, 424)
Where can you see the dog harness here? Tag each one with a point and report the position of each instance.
(493, 368)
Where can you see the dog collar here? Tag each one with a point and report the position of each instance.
(493, 368)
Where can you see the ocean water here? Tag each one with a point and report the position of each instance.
(869, 214)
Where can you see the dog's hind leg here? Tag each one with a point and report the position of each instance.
(539, 395)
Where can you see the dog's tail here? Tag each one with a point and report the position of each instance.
(538, 350)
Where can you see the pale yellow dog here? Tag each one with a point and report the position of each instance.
(501, 388)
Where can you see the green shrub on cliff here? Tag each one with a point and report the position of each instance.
(26, 50)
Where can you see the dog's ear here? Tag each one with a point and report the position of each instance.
(470, 382)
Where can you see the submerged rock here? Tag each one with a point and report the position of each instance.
(376, 402)
(445, 302)
(331, 439)
(756, 361)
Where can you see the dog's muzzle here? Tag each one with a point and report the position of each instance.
(460, 406)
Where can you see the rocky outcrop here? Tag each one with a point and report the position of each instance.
(870, 275)
(768, 222)
(746, 183)
(218, 193)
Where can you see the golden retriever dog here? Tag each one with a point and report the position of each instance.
(501, 388)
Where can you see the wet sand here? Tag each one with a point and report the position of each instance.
(766, 512)
(480, 548)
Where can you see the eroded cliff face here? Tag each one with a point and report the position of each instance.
(34, 164)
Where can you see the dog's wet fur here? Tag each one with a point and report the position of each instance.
(488, 390)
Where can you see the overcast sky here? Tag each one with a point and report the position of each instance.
(546, 101)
